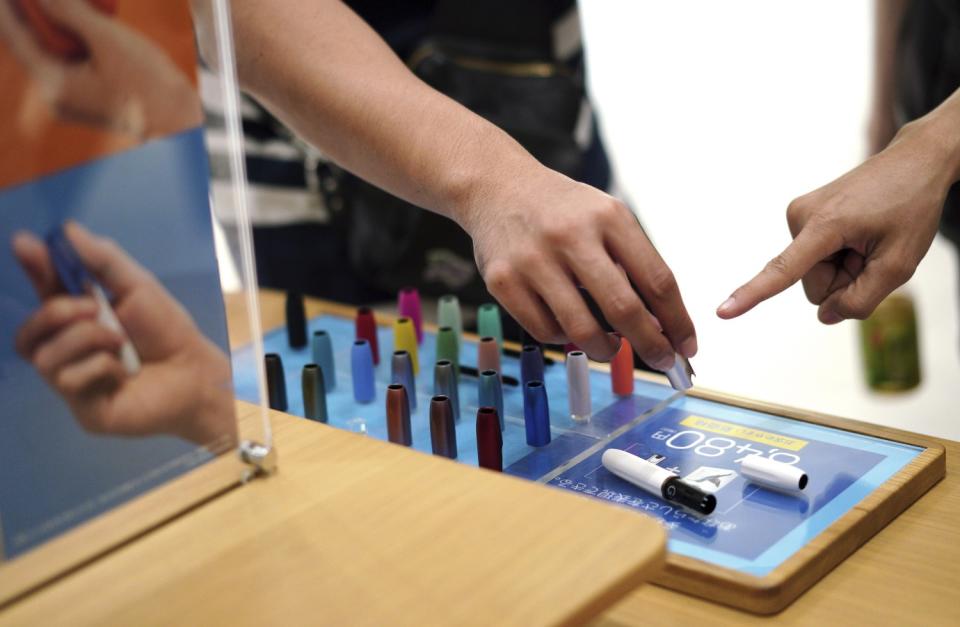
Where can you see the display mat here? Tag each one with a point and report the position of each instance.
(759, 550)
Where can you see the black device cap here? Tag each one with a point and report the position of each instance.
(679, 491)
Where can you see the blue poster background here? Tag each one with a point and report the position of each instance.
(153, 200)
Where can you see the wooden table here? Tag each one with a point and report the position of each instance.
(909, 573)
(352, 530)
(337, 537)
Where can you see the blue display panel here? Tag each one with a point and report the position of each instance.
(753, 530)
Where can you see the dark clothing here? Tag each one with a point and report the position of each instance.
(928, 71)
(520, 27)
(376, 241)
(310, 258)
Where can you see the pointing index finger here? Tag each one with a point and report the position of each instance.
(811, 245)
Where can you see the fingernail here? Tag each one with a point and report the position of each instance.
(665, 363)
(688, 348)
(830, 317)
(727, 306)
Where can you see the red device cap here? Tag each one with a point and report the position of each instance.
(621, 369)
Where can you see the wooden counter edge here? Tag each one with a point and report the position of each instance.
(94, 539)
(630, 582)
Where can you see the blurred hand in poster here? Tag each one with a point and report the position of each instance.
(124, 83)
(184, 385)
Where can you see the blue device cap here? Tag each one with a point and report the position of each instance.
(70, 268)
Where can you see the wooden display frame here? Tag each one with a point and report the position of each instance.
(775, 591)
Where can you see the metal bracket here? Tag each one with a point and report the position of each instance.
(260, 459)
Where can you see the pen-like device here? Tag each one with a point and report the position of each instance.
(78, 281)
(658, 481)
(681, 374)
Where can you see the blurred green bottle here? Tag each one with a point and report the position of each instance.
(891, 350)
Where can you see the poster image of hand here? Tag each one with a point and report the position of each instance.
(182, 384)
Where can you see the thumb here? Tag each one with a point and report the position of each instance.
(879, 278)
(81, 17)
(811, 245)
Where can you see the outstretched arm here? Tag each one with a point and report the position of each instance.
(862, 236)
(537, 234)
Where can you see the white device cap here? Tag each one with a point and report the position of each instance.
(773, 474)
(636, 470)
(578, 386)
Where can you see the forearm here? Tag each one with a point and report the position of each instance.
(537, 234)
(326, 74)
(937, 134)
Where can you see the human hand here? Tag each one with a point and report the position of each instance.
(183, 386)
(535, 240)
(861, 236)
(126, 83)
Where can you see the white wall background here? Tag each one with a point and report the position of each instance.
(717, 114)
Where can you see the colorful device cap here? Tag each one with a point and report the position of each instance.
(448, 314)
(531, 363)
(276, 382)
(322, 352)
(401, 371)
(488, 354)
(405, 339)
(296, 320)
(621, 370)
(399, 430)
(443, 431)
(361, 366)
(491, 393)
(314, 393)
(578, 386)
(445, 384)
(366, 329)
(408, 304)
(489, 439)
(448, 348)
(536, 413)
(488, 323)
